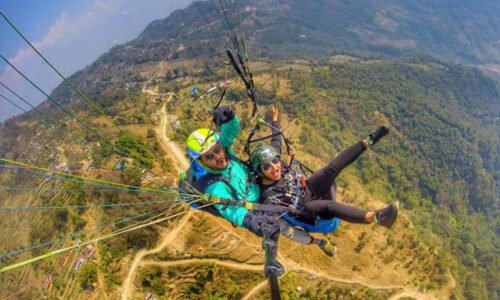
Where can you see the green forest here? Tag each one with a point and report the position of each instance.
(441, 160)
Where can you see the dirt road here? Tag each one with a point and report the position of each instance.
(293, 266)
(161, 130)
(145, 87)
(168, 238)
(255, 290)
(182, 164)
(224, 263)
(169, 146)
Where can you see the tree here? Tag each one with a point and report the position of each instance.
(88, 275)
(134, 147)
(151, 133)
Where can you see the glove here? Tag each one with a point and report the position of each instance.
(222, 115)
(256, 223)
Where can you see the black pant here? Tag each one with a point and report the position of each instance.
(317, 200)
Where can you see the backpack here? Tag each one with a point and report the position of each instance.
(190, 185)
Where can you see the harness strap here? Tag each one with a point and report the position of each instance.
(250, 205)
(208, 179)
(268, 207)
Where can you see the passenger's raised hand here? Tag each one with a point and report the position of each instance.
(222, 115)
(274, 112)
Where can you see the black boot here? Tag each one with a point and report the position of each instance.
(327, 248)
(387, 216)
(379, 133)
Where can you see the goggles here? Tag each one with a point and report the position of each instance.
(266, 166)
(216, 150)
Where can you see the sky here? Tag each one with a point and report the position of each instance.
(70, 34)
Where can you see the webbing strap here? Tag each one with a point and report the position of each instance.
(268, 207)
(251, 206)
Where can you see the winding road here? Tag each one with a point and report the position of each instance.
(170, 146)
(167, 239)
(224, 263)
(173, 149)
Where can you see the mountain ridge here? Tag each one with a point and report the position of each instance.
(464, 32)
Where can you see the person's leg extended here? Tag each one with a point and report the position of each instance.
(303, 237)
(321, 180)
(327, 209)
(299, 236)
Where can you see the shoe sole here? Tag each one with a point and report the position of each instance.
(396, 208)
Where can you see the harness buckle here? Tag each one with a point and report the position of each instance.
(183, 176)
(303, 181)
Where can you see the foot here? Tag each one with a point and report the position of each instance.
(386, 216)
(379, 133)
(326, 247)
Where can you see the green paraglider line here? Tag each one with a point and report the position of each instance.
(78, 119)
(77, 234)
(109, 183)
(23, 170)
(31, 208)
(110, 235)
(158, 193)
(79, 92)
(46, 122)
(9, 189)
(11, 102)
(21, 98)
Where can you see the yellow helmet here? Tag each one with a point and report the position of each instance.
(200, 141)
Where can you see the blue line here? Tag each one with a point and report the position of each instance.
(77, 234)
(30, 208)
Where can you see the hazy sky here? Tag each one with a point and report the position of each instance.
(70, 34)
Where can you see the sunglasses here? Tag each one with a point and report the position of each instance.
(267, 166)
(217, 150)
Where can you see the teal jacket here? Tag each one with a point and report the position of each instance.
(238, 175)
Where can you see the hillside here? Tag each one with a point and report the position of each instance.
(465, 32)
(441, 161)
